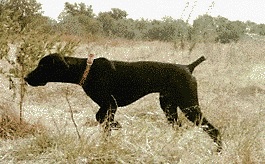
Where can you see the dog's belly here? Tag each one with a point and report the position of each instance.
(127, 95)
(126, 99)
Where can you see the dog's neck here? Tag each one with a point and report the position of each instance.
(75, 71)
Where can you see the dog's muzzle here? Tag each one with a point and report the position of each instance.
(33, 82)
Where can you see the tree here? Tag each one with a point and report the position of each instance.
(107, 22)
(204, 28)
(261, 29)
(168, 29)
(21, 10)
(182, 29)
(141, 24)
(118, 13)
(112, 20)
(258, 29)
(90, 25)
(124, 28)
(77, 10)
(250, 26)
(228, 31)
(21, 27)
(78, 19)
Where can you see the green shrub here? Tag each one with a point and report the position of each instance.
(20, 26)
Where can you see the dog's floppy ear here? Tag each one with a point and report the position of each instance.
(57, 58)
(63, 60)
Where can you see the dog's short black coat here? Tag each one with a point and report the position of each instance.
(113, 84)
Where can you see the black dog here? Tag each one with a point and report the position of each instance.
(113, 84)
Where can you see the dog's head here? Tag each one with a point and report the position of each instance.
(51, 68)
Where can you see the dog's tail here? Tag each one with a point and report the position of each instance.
(196, 63)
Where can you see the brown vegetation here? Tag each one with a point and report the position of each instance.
(56, 123)
(145, 136)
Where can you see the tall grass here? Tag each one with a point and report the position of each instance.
(230, 97)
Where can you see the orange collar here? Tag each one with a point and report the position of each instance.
(89, 62)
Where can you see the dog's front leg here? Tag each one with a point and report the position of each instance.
(107, 112)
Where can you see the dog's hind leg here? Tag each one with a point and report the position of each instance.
(189, 105)
(194, 114)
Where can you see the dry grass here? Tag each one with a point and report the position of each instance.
(12, 128)
(231, 93)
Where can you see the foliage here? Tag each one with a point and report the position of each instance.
(117, 14)
(124, 28)
(77, 10)
(204, 29)
(23, 11)
(79, 19)
(166, 30)
(219, 29)
(115, 23)
(107, 22)
(228, 31)
(24, 27)
(259, 29)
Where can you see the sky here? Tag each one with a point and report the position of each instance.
(242, 10)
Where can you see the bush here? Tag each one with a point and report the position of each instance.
(228, 31)
(166, 30)
(20, 27)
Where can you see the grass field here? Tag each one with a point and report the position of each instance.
(231, 84)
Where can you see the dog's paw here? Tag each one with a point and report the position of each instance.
(115, 125)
